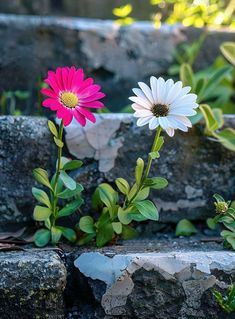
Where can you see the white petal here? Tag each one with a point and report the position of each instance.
(164, 123)
(140, 94)
(183, 112)
(174, 92)
(170, 131)
(153, 123)
(143, 121)
(153, 84)
(137, 107)
(186, 99)
(145, 88)
(169, 84)
(141, 101)
(184, 120)
(184, 91)
(161, 88)
(143, 113)
(176, 124)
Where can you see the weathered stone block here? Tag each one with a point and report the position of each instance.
(131, 282)
(31, 285)
(117, 57)
(195, 165)
(25, 144)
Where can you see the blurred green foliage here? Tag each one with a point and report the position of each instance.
(226, 302)
(197, 13)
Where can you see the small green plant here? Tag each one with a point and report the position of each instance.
(226, 302)
(185, 228)
(119, 210)
(9, 100)
(225, 214)
(212, 90)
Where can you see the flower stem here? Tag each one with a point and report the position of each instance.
(55, 198)
(148, 167)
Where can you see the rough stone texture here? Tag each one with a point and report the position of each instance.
(195, 165)
(164, 284)
(117, 57)
(31, 285)
(25, 144)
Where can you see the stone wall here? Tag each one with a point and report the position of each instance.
(196, 166)
(116, 57)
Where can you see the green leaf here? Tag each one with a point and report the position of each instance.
(159, 144)
(200, 86)
(218, 198)
(231, 240)
(156, 182)
(122, 185)
(218, 115)
(142, 194)
(123, 216)
(47, 223)
(154, 155)
(117, 227)
(132, 191)
(210, 119)
(211, 223)
(41, 177)
(41, 213)
(185, 228)
(186, 75)
(41, 196)
(128, 232)
(52, 128)
(147, 209)
(104, 235)
(71, 165)
(86, 239)
(58, 142)
(227, 138)
(215, 79)
(86, 224)
(139, 170)
(67, 193)
(228, 50)
(55, 234)
(70, 208)
(136, 216)
(68, 181)
(68, 233)
(107, 194)
(42, 237)
(60, 184)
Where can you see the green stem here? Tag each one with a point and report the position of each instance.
(55, 198)
(148, 167)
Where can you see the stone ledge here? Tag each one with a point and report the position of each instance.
(31, 285)
(176, 284)
(115, 56)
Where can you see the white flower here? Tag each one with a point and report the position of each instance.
(166, 104)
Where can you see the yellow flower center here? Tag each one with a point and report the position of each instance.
(69, 99)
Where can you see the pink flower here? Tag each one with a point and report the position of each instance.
(72, 96)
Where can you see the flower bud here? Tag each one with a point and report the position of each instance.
(221, 207)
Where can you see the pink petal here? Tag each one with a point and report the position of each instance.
(65, 73)
(79, 117)
(93, 105)
(67, 119)
(94, 97)
(72, 71)
(84, 84)
(53, 104)
(52, 81)
(87, 114)
(59, 78)
(90, 90)
(62, 112)
(48, 92)
(77, 80)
